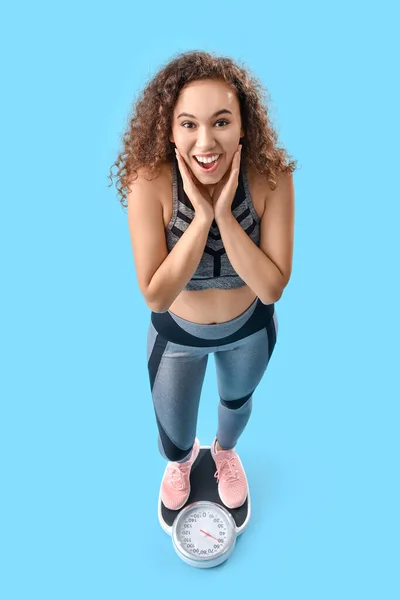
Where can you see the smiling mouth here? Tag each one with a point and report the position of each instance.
(209, 165)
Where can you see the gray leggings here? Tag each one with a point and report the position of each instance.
(177, 355)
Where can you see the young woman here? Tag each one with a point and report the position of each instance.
(211, 219)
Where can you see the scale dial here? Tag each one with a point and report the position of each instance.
(204, 534)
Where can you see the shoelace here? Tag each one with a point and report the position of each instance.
(176, 476)
(227, 470)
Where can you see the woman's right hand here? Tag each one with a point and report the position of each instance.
(198, 196)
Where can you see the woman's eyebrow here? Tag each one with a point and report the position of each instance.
(219, 112)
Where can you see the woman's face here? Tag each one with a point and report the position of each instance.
(201, 131)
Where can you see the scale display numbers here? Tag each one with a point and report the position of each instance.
(204, 532)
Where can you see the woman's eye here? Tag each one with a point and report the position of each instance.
(190, 123)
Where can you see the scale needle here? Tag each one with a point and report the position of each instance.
(209, 534)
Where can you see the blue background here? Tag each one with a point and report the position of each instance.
(80, 469)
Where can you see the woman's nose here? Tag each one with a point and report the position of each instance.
(205, 139)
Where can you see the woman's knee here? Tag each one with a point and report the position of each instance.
(171, 451)
(237, 403)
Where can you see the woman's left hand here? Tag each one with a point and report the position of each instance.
(225, 189)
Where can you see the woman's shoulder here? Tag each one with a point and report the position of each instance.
(158, 184)
(160, 178)
(258, 188)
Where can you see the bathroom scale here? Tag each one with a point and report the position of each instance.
(204, 530)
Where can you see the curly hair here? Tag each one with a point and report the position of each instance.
(151, 119)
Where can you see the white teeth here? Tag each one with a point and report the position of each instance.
(207, 160)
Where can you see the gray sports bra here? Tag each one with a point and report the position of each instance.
(214, 269)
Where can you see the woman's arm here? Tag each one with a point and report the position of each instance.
(161, 276)
(267, 269)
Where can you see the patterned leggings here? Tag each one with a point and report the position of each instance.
(177, 355)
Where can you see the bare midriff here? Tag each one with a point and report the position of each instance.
(212, 306)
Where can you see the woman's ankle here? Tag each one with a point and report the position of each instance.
(219, 449)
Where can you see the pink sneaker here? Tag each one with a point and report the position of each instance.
(175, 486)
(232, 482)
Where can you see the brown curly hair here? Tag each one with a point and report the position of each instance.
(152, 119)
